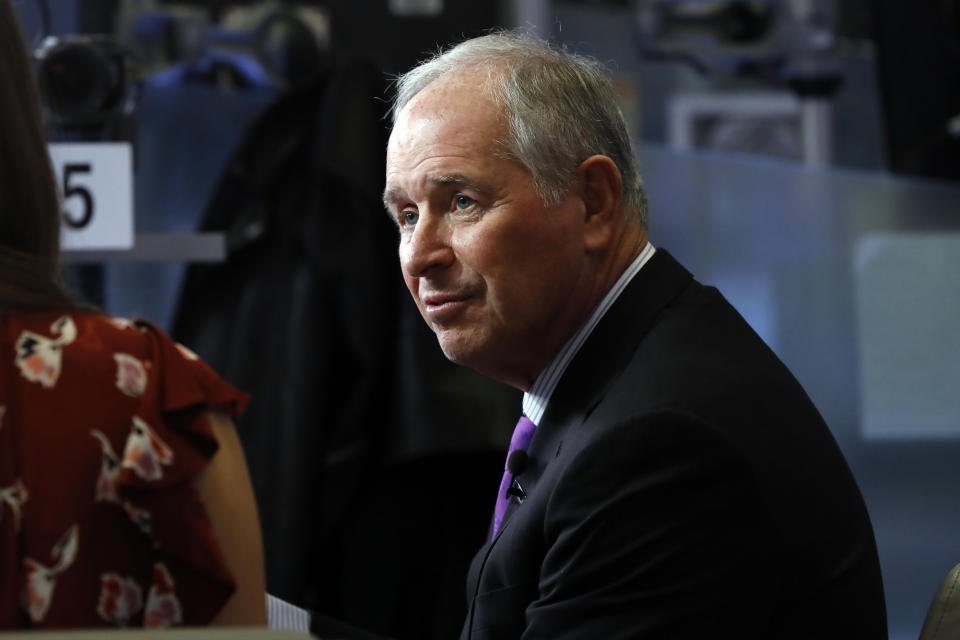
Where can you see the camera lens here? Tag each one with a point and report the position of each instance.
(77, 81)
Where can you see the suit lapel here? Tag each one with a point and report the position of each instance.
(614, 340)
(600, 360)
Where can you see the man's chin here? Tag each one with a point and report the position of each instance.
(456, 354)
(457, 349)
(477, 357)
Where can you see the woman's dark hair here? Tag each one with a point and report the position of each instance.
(29, 203)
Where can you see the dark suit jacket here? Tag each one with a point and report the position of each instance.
(680, 485)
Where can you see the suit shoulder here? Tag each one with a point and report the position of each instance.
(647, 454)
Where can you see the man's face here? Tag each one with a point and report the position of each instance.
(497, 275)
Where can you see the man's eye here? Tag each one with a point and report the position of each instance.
(464, 202)
(409, 218)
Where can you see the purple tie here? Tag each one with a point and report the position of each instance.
(522, 435)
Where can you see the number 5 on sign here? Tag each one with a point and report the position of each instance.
(96, 183)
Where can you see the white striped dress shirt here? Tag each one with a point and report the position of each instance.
(284, 616)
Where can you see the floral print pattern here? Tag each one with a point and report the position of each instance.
(122, 323)
(146, 452)
(38, 357)
(131, 375)
(120, 599)
(163, 607)
(139, 517)
(186, 353)
(41, 580)
(106, 490)
(139, 450)
(12, 497)
(109, 470)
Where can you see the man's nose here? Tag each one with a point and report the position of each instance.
(427, 248)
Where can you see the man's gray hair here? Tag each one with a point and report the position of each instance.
(561, 108)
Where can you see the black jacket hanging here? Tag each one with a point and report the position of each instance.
(300, 314)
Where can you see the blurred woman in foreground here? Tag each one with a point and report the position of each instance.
(124, 495)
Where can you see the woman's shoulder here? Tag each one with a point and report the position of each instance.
(90, 329)
(72, 326)
(130, 415)
(81, 343)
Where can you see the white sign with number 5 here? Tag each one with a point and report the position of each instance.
(96, 183)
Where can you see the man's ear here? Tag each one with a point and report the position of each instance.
(601, 185)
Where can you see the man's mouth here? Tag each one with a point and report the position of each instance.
(439, 307)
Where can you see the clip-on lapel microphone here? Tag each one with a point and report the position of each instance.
(516, 463)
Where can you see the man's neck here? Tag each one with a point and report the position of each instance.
(538, 395)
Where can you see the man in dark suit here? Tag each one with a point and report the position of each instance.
(671, 478)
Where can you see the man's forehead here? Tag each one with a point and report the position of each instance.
(445, 120)
(455, 94)
(441, 134)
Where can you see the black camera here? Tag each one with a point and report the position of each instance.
(85, 81)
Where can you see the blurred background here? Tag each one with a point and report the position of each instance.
(801, 155)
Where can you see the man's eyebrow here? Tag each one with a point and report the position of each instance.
(458, 179)
(392, 195)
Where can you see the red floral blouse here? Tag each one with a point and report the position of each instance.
(103, 428)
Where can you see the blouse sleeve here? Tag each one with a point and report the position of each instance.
(169, 444)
